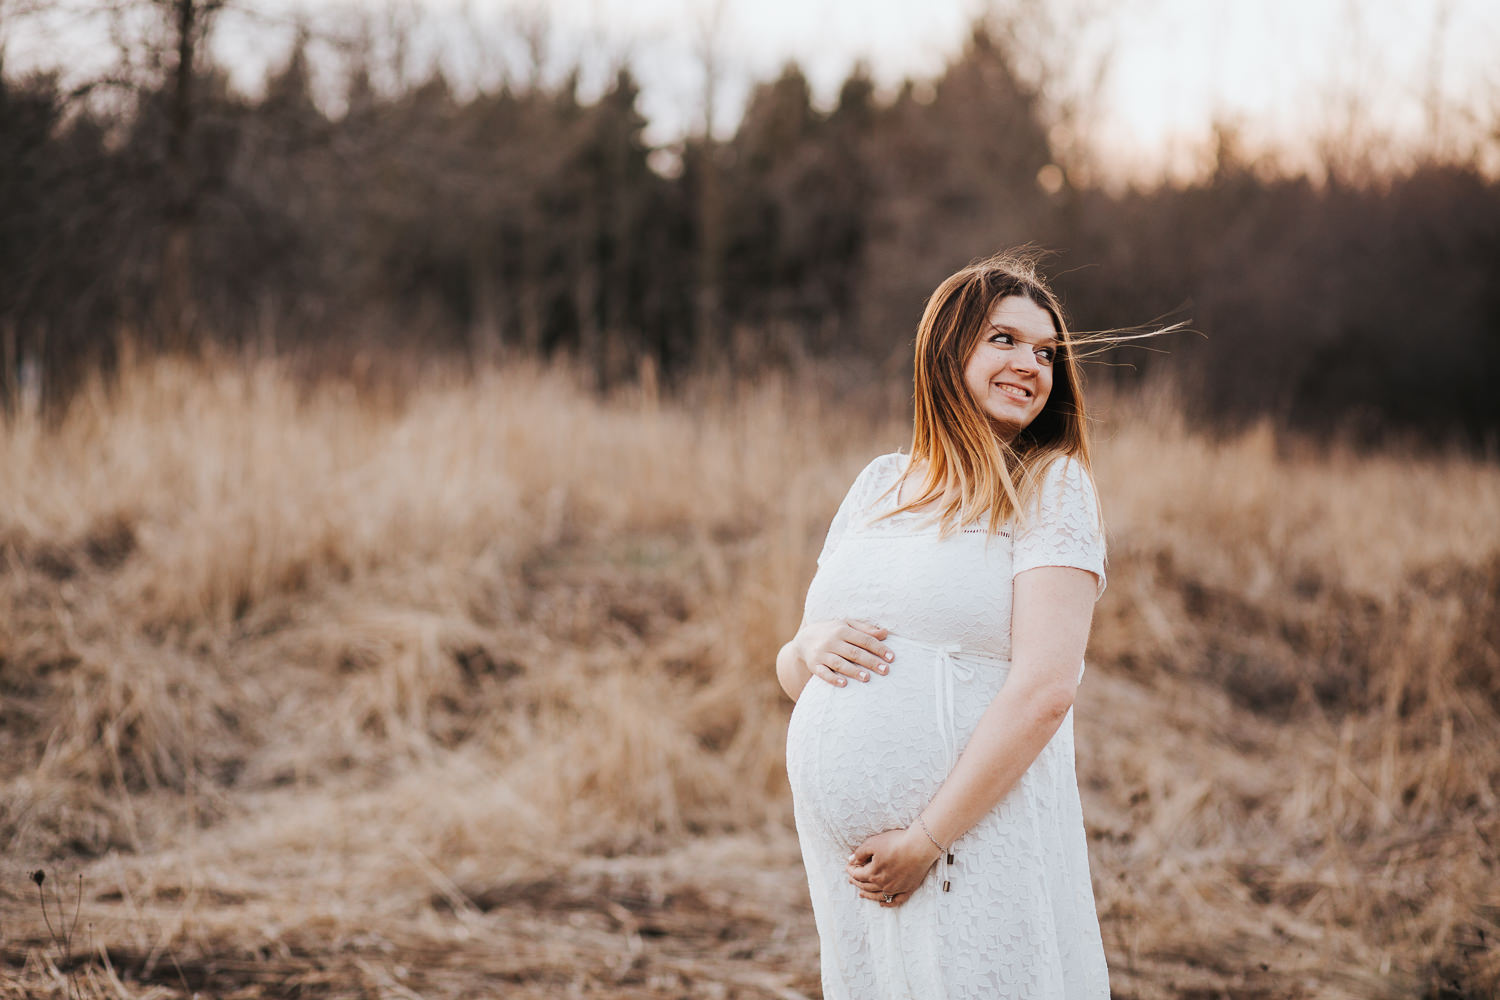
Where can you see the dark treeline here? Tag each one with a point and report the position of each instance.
(531, 220)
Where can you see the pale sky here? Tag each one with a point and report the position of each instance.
(1156, 72)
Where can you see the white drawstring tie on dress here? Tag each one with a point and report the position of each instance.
(949, 672)
(953, 667)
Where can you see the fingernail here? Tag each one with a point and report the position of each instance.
(864, 676)
(883, 669)
(889, 655)
(842, 682)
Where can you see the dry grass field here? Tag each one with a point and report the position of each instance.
(463, 686)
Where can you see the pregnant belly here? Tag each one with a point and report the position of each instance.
(869, 756)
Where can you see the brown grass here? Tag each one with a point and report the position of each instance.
(466, 689)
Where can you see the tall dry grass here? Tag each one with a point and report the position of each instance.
(325, 676)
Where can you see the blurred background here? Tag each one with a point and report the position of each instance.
(700, 184)
(418, 421)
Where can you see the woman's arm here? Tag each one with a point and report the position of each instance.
(1053, 608)
(833, 651)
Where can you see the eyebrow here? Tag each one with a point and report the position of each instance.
(1017, 334)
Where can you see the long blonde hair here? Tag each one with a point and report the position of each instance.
(970, 472)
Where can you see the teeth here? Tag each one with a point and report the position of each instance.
(1012, 390)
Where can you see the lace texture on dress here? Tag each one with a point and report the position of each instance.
(1019, 921)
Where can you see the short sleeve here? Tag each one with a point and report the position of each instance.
(1063, 528)
(866, 488)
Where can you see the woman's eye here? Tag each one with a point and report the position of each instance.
(1002, 338)
(1047, 354)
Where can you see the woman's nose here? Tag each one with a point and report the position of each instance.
(1023, 358)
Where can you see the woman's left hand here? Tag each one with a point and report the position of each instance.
(891, 864)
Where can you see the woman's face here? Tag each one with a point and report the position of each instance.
(1010, 371)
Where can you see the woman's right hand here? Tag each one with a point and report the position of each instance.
(838, 650)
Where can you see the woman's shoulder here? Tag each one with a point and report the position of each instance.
(882, 470)
(886, 466)
(1065, 488)
(1067, 474)
(879, 473)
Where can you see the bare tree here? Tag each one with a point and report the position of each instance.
(190, 22)
(709, 208)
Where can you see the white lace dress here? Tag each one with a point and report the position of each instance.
(1018, 918)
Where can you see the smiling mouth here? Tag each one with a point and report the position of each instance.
(1013, 391)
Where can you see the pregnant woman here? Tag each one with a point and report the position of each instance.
(930, 751)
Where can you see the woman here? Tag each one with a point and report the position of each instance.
(931, 763)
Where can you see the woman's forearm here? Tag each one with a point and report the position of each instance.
(1009, 736)
(1053, 607)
